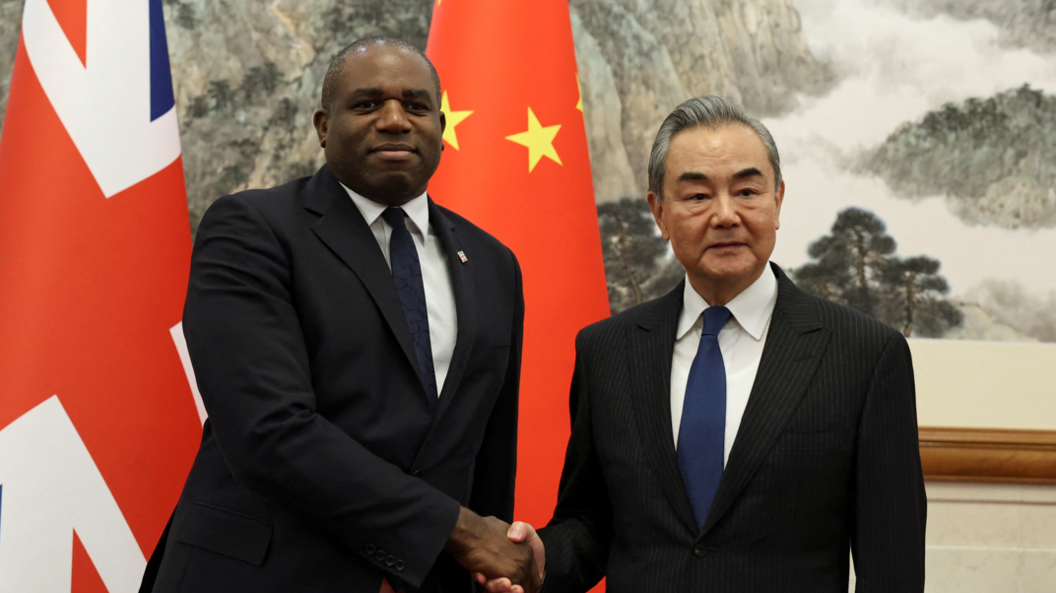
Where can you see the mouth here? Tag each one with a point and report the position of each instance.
(394, 151)
(725, 246)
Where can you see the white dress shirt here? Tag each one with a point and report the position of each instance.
(439, 296)
(741, 342)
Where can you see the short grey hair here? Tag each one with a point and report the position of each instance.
(712, 112)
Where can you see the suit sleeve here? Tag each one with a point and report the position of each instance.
(891, 504)
(252, 368)
(577, 538)
(496, 463)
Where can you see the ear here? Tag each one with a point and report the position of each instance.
(657, 207)
(779, 197)
(321, 120)
(443, 126)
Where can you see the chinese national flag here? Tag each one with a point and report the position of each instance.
(98, 423)
(516, 164)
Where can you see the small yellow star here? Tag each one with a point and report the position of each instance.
(539, 140)
(453, 119)
(579, 87)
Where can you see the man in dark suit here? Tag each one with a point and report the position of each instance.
(736, 435)
(357, 348)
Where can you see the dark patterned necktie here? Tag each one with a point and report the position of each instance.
(702, 434)
(407, 272)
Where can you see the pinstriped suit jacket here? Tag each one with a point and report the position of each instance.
(826, 460)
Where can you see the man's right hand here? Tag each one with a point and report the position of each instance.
(480, 545)
(518, 532)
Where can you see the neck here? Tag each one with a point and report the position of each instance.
(718, 293)
(388, 199)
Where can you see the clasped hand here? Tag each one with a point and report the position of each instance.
(501, 557)
(520, 533)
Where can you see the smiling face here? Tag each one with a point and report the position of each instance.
(720, 209)
(382, 135)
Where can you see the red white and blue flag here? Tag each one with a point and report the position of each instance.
(98, 419)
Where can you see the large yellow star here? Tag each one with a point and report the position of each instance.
(539, 140)
(453, 119)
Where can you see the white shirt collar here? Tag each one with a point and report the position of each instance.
(751, 308)
(417, 211)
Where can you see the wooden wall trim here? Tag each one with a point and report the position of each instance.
(988, 455)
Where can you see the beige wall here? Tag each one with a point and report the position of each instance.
(990, 538)
(967, 384)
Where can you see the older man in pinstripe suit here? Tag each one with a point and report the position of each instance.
(736, 435)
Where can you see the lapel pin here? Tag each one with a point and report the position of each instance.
(462, 256)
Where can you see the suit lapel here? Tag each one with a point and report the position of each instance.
(464, 288)
(651, 342)
(795, 344)
(342, 228)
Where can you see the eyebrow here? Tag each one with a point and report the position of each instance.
(417, 94)
(365, 92)
(698, 176)
(749, 172)
(693, 176)
(420, 94)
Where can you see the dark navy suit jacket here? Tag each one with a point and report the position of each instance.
(321, 466)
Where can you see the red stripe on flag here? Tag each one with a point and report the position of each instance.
(73, 18)
(86, 578)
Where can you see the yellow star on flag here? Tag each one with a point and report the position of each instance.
(579, 87)
(539, 140)
(453, 119)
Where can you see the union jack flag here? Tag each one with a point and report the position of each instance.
(98, 418)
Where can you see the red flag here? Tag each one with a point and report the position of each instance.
(98, 424)
(516, 163)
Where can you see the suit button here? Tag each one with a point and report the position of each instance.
(380, 556)
(390, 560)
(400, 565)
(699, 551)
(416, 474)
(371, 548)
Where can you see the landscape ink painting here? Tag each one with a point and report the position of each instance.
(941, 131)
(918, 148)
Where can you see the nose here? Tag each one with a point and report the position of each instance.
(725, 212)
(392, 118)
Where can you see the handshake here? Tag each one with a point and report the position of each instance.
(503, 558)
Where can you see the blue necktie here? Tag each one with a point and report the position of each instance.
(702, 434)
(407, 272)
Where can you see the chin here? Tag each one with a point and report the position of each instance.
(730, 269)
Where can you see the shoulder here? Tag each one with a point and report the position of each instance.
(468, 230)
(658, 314)
(857, 342)
(472, 235)
(805, 311)
(269, 201)
(284, 212)
(846, 323)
